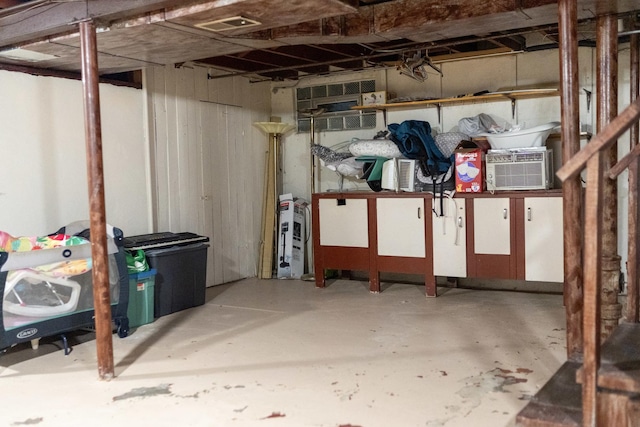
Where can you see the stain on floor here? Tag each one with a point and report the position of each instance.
(507, 379)
(28, 422)
(164, 390)
(477, 388)
(143, 392)
(274, 415)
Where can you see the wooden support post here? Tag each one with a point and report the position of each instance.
(271, 203)
(633, 258)
(607, 110)
(264, 233)
(269, 219)
(571, 188)
(98, 228)
(592, 270)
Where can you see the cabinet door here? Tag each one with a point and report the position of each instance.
(401, 227)
(492, 226)
(543, 238)
(344, 224)
(449, 239)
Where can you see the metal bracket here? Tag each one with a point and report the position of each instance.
(513, 107)
(588, 92)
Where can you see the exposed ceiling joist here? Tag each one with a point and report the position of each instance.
(9, 3)
(287, 38)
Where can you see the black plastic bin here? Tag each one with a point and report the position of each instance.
(180, 261)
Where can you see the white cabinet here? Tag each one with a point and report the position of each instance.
(513, 236)
(401, 227)
(543, 239)
(449, 239)
(343, 222)
(492, 226)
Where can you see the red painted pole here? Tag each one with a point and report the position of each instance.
(93, 138)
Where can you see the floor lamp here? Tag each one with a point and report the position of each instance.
(312, 113)
(272, 190)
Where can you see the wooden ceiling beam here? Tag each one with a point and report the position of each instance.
(351, 65)
(9, 3)
(294, 55)
(268, 58)
(55, 18)
(259, 63)
(316, 69)
(335, 31)
(515, 43)
(552, 37)
(310, 52)
(345, 50)
(50, 19)
(235, 63)
(281, 75)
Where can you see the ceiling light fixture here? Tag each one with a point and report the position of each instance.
(233, 23)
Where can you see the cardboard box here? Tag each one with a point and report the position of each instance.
(374, 98)
(469, 170)
(291, 235)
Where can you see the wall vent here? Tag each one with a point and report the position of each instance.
(336, 100)
(225, 24)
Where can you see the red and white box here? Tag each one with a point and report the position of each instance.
(469, 170)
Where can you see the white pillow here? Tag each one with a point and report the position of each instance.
(374, 147)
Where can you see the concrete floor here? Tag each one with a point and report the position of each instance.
(283, 353)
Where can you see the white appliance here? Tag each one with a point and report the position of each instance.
(519, 169)
(291, 235)
(399, 174)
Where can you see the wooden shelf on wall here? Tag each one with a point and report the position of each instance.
(510, 95)
(487, 97)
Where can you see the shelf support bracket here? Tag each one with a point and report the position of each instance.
(588, 93)
(384, 116)
(439, 107)
(513, 107)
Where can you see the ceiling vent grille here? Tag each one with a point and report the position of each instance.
(226, 24)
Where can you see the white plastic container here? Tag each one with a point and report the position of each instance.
(531, 137)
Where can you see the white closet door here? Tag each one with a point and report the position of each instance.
(208, 164)
(223, 192)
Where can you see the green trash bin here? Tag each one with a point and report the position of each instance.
(141, 291)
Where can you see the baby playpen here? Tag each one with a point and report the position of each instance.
(47, 288)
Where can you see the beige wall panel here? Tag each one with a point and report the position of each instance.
(43, 178)
(210, 164)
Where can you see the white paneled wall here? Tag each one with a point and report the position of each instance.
(43, 177)
(208, 159)
(209, 163)
(459, 77)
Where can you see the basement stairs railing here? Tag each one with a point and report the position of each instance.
(603, 389)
